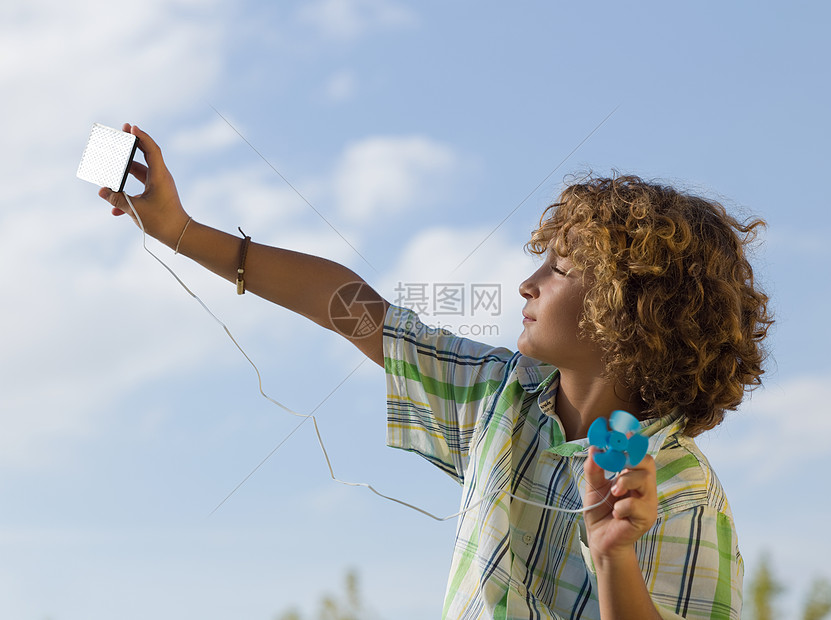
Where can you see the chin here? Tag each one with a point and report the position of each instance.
(526, 350)
(521, 346)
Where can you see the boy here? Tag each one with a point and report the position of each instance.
(645, 302)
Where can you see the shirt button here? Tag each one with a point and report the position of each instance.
(522, 590)
(528, 539)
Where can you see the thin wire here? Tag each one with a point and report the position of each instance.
(533, 191)
(287, 437)
(311, 416)
(294, 189)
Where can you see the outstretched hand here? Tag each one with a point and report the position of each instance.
(158, 206)
(626, 515)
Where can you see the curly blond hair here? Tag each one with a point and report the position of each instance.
(671, 300)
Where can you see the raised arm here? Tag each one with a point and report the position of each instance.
(300, 282)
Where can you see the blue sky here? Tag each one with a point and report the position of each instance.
(414, 129)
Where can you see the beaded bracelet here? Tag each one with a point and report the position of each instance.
(176, 251)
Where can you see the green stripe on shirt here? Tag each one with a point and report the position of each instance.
(672, 469)
(724, 530)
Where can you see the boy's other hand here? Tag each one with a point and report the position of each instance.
(629, 511)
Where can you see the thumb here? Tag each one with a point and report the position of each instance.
(596, 481)
(592, 470)
(116, 199)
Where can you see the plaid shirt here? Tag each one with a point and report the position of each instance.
(485, 416)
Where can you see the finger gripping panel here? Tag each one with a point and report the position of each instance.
(107, 157)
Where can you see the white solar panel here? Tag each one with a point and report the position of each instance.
(107, 156)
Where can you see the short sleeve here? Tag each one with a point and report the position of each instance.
(438, 385)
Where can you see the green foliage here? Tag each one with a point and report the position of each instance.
(763, 591)
(818, 603)
(765, 588)
(348, 607)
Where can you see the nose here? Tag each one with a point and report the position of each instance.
(529, 288)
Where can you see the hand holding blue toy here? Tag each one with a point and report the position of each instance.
(622, 446)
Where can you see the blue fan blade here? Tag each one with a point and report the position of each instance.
(610, 460)
(624, 422)
(598, 434)
(636, 449)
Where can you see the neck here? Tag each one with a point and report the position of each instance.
(582, 399)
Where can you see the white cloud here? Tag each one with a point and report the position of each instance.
(213, 136)
(348, 19)
(388, 174)
(81, 332)
(798, 411)
(431, 258)
(64, 65)
(256, 199)
(90, 318)
(93, 317)
(251, 196)
(778, 421)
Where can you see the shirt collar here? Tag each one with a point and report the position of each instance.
(657, 431)
(534, 376)
(661, 429)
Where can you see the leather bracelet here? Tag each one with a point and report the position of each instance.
(243, 252)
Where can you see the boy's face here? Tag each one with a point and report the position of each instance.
(553, 306)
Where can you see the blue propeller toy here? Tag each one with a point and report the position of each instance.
(622, 446)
